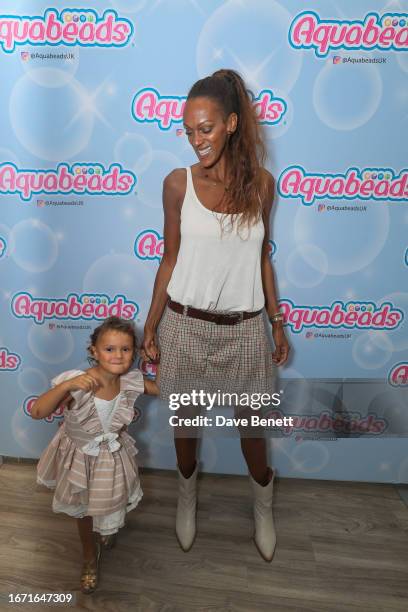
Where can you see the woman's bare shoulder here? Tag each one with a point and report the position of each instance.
(176, 181)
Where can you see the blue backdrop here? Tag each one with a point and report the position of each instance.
(90, 118)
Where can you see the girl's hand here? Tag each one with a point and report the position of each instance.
(84, 382)
(281, 353)
(149, 349)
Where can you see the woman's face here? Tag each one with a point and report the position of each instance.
(207, 129)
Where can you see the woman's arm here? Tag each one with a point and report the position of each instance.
(281, 353)
(174, 187)
(151, 387)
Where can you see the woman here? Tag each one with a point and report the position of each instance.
(214, 280)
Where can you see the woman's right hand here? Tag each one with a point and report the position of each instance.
(149, 349)
(83, 382)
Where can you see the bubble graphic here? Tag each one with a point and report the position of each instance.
(272, 132)
(33, 246)
(402, 59)
(47, 75)
(32, 381)
(328, 231)
(50, 346)
(163, 438)
(149, 190)
(372, 350)
(309, 457)
(347, 10)
(5, 232)
(306, 266)
(295, 389)
(134, 152)
(266, 22)
(47, 134)
(117, 273)
(208, 453)
(346, 96)
(403, 472)
(22, 430)
(128, 6)
(399, 336)
(391, 405)
(6, 155)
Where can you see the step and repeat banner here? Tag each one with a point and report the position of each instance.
(91, 111)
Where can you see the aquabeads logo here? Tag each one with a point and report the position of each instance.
(353, 315)
(398, 375)
(86, 306)
(149, 106)
(356, 183)
(9, 361)
(90, 179)
(150, 245)
(83, 27)
(386, 32)
(28, 406)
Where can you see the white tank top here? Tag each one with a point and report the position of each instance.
(214, 270)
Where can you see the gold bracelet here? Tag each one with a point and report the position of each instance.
(278, 316)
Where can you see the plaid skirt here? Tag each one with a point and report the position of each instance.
(201, 355)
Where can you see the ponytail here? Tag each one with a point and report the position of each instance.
(245, 150)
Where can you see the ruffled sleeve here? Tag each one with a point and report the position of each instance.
(80, 397)
(132, 385)
(67, 376)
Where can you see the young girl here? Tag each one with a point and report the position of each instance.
(90, 462)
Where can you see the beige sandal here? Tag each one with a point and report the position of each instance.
(108, 541)
(89, 575)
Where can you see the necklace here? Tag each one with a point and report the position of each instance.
(215, 183)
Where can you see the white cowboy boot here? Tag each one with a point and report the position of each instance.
(264, 537)
(186, 510)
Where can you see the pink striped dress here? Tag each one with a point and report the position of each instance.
(90, 463)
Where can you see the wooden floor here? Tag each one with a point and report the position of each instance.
(341, 547)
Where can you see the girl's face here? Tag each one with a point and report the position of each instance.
(114, 351)
(207, 130)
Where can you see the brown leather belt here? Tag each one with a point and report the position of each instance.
(219, 318)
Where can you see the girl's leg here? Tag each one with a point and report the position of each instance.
(87, 538)
(89, 575)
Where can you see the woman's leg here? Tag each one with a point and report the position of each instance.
(254, 451)
(186, 451)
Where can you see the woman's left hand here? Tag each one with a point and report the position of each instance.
(281, 353)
